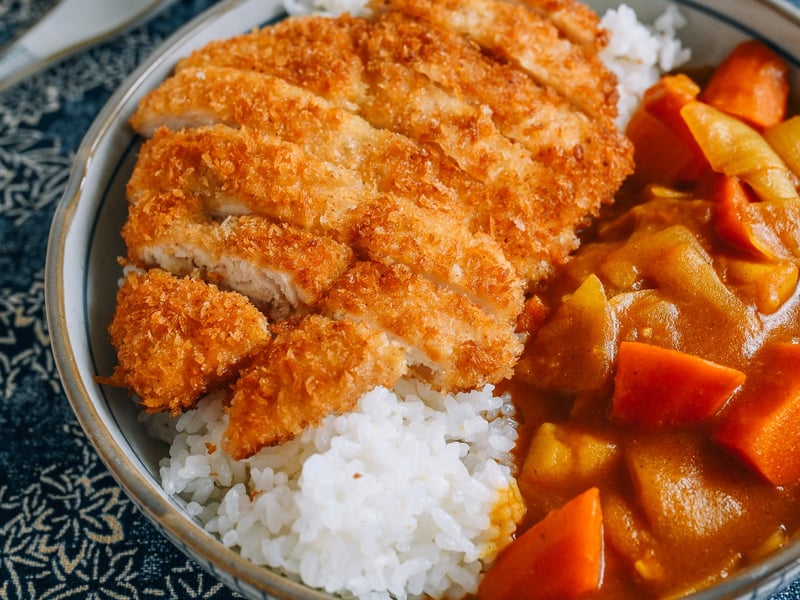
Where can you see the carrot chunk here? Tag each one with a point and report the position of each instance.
(664, 149)
(665, 99)
(763, 427)
(657, 387)
(559, 558)
(738, 221)
(751, 84)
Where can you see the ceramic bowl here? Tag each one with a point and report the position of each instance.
(82, 276)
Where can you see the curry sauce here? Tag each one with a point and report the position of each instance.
(685, 503)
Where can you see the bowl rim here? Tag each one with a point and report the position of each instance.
(228, 565)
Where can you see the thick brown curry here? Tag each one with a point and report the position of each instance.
(683, 506)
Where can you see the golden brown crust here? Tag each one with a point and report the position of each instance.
(317, 53)
(178, 338)
(436, 246)
(532, 42)
(454, 343)
(242, 171)
(313, 368)
(555, 132)
(393, 74)
(239, 171)
(578, 22)
(386, 161)
(451, 152)
(178, 180)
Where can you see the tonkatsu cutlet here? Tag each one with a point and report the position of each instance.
(246, 172)
(440, 89)
(313, 368)
(180, 338)
(530, 41)
(451, 343)
(388, 191)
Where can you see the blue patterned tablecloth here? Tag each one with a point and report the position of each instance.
(66, 528)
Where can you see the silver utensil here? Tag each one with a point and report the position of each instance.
(68, 26)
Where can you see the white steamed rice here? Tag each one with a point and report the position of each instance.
(393, 499)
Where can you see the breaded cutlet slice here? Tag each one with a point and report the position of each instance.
(451, 342)
(280, 267)
(579, 23)
(179, 338)
(555, 131)
(516, 34)
(314, 367)
(240, 172)
(390, 162)
(433, 245)
(245, 171)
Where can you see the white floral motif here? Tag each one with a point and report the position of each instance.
(22, 316)
(32, 175)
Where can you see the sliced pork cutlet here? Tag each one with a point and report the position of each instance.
(314, 367)
(320, 51)
(392, 163)
(434, 246)
(532, 115)
(451, 342)
(518, 35)
(281, 267)
(180, 338)
(387, 95)
(236, 172)
(579, 23)
(525, 205)
(242, 171)
(558, 135)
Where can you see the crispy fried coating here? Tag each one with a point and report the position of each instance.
(521, 36)
(280, 267)
(451, 342)
(173, 193)
(386, 94)
(317, 53)
(434, 246)
(390, 162)
(530, 202)
(179, 338)
(535, 116)
(243, 171)
(388, 187)
(579, 23)
(236, 172)
(313, 368)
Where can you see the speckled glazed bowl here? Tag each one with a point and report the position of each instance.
(82, 275)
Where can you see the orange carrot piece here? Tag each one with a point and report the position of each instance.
(738, 220)
(559, 558)
(762, 427)
(665, 149)
(751, 84)
(665, 99)
(658, 387)
(660, 155)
